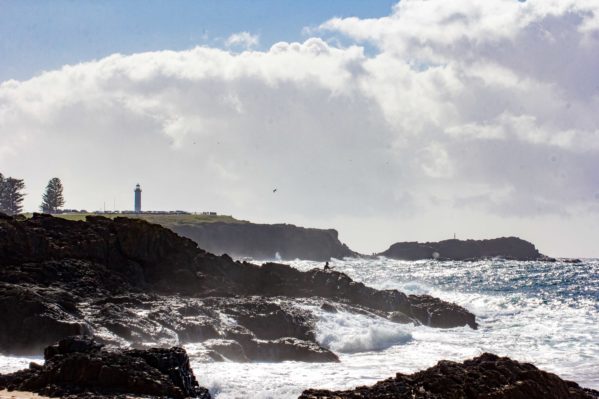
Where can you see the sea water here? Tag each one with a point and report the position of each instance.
(538, 312)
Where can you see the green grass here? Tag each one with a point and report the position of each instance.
(158, 219)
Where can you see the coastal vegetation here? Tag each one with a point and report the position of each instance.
(11, 195)
(162, 218)
(53, 199)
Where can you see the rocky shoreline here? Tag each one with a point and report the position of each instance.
(81, 368)
(129, 282)
(136, 291)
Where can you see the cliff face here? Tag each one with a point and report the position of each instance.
(504, 247)
(265, 241)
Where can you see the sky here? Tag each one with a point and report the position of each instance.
(386, 121)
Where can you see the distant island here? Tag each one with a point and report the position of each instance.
(512, 248)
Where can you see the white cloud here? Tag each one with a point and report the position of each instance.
(244, 39)
(469, 109)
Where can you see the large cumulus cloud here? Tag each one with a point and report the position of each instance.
(478, 111)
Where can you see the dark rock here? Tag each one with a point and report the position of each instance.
(268, 320)
(289, 349)
(327, 307)
(31, 317)
(434, 312)
(400, 317)
(285, 280)
(174, 363)
(568, 260)
(487, 376)
(505, 247)
(229, 349)
(79, 366)
(76, 343)
(167, 320)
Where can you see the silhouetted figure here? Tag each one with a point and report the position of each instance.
(326, 266)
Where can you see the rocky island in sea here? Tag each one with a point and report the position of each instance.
(509, 248)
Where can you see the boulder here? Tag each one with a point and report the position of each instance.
(486, 376)
(79, 366)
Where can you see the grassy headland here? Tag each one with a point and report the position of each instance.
(164, 219)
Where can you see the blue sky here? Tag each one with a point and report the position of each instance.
(44, 35)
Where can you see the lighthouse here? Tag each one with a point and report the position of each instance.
(137, 199)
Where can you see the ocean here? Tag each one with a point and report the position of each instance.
(538, 312)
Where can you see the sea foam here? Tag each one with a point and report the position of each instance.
(347, 332)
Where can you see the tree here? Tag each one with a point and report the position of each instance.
(11, 195)
(2, 193)
(52, 198)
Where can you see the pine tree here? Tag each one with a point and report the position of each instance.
(2, 184)
(11, 195)
(52, 199)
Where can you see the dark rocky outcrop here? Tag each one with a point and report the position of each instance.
(265, 241)
(505, 247)
(487, 376)
(129, 282)
(79, 366)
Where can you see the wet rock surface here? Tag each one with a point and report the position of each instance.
(487, 376)
(234, 328)
(80, 367)
(129, 283)
(513, 248)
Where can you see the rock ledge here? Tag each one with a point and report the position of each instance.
(78, 366)
(487, 376)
